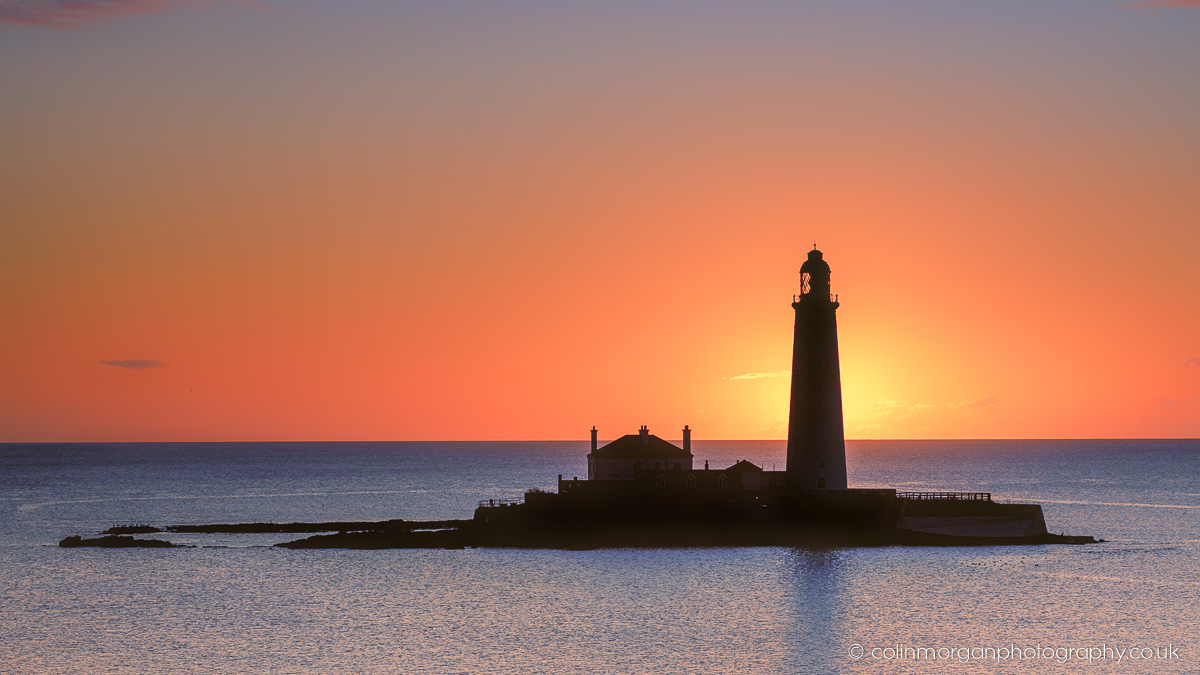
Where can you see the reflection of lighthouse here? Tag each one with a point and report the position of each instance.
(816, 448)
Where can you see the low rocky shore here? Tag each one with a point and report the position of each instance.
(116, 541)
(395, 525)
(370, 534)
(565, 533)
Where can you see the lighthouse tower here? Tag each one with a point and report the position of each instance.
(816, 447)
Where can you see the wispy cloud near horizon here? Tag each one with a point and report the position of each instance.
(135, 364)
(1192, 362)
(83, 13)
(761, 376)
(984, 402)
(895, 410)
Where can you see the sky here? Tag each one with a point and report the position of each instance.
(451, 220)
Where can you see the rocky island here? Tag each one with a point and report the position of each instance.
(643, 491)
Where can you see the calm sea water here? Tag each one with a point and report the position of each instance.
(236, 605)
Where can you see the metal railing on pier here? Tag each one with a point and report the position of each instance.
(489, 503)
(950, 496)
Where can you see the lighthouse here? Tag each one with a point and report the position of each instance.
(816, 446)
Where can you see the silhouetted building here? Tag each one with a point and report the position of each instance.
(643, 491)
(816, 445)
(621, 458)
(646, 465)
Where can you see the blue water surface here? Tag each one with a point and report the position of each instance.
(234, 604)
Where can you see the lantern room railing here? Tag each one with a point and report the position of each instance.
(796, 298)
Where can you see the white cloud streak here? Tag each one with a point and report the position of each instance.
(761, 376)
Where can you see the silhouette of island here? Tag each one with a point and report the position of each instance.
(116, 541)
(643, 491)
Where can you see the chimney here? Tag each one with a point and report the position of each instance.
(687, 439)
(594, 445)
(645, 431)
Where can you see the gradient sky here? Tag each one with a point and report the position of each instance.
(514, 220)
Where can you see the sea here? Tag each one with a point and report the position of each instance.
(235, 604)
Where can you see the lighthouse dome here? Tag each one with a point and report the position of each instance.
(815, 264)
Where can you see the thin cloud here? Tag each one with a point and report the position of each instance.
(1192, 362)
(82, 13)
(1161, 4)
(984, 402)
(760, 376)
(894, 410)
(135, 364)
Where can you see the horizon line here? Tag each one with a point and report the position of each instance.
(585, 440)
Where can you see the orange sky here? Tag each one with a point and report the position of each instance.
(342, 221)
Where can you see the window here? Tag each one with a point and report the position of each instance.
(678, 465)
(820, 465)
(820, 482)
(722, 481)
(661, 481)
(691, 480)
(657, 465)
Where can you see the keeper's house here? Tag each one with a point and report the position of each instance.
(636, 463)
(619, 459)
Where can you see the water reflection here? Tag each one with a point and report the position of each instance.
(817, 600)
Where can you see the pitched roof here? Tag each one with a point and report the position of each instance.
(743, 465)
(631, 446)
